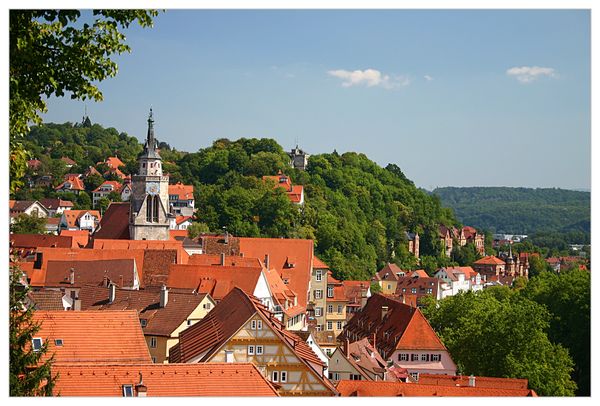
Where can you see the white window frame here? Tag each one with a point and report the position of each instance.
(259, 350)
(318, 294)
(283, 376)
(336, 376)
(339, 325)
(403, 357)
(229, 356)
(414, 357)
(329, 309)
(340, 309)
(250, 350)
(318, 311)
(253, 325)
(259, 324)
(275, 376)
(330, 291)
(436, 357)
(153, 342)
(329, 325)
(37, 340)
(127, 391)
(319, 275)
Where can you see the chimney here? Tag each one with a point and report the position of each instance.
(472, 381)
(164, 296)
(375, 340)
(72, 276)
(140, 388)
(347, 348)
(267, 262)
(38, 260)
(77, 304)
(384, 310)
(222, 259)
(112, 292)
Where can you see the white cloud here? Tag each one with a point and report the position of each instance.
(428, 78)
(527, 74)
(369, 78)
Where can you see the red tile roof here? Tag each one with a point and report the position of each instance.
(291, 258)
(389, 272)
(213, 379)
(32, 241)
(116, 186)
(115, 222)
(480, 381)
(53, 204)
(294, 192)
(108, 244)
(118, 271)
(73, 215)
(355, 290)
(161, 321)
(418, 273)
(46, 299)
(318, 264)
(230, 260)
(382, 388)
(112, 162)
(80, 238)
(68, 161)
(71, 184)
(183, 192)
(489, 260)
(174, 234)
(92, 336)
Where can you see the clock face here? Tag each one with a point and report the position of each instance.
(152, 188)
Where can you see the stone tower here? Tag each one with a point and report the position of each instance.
(298, 158)
(149, 214)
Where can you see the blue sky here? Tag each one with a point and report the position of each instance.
(453, 97)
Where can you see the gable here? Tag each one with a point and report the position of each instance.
(419, 335)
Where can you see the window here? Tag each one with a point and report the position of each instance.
(436, 357)
(283, 376)
(206, 306)
(250, 350)
(355, 377)
(318, 311)
(259, 325)
(154, 360)
(275, 376)
(318, 294)
(340, 309)
(415, 376)
(336, 376)
(329, 309)
(152, 342)
(128, 391)
(189, 322)
(329, 325)
(37, 344)
(143, 322)
(328, 351)
(339, 325)
(403, 290)
(414, 357)
(402, 357)
(58, 342)
(228, 356)
(319, 275)
(424, 357)
(259, 350)
(253, 324)
(429, 290)
(319, 327)
(329, 291)
(414, 290)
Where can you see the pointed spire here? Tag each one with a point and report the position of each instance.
(150, 142)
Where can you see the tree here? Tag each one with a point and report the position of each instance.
(498, 332)
(195, 229)
(102, 204)
(26, 224)
(83, 201)
(51, 53)
(375, 288)
(28, 375)
(93, 181)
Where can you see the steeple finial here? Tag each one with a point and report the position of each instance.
(150, 142)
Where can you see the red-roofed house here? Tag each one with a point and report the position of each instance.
(56, 206)
(490, 266)
(335, 317)
(171, 380)
(80, 237)
(388, 277)
(241, 329)
(358, 361)
(26, 245)
(316, 308)
(79, 220)
(72, 184)
(181, 199)
(180, 222)
(69, 163)
(104, 190)
(357, 293)
(112, 162)
(402, 335)
(28, 207)
(458, 279)
(411, 290)
(294, 192)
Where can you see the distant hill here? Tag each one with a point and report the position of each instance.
(519, 210)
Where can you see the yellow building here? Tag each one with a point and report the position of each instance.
(387, 278)
(335, 315)
(241, 329)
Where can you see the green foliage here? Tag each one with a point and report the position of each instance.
(27, 376)
(102, 204)
(375, 288)
(567, 297)
(25, 224)
(92, 182)
(519, 210)
(499, 332)
(195, 229)
(51, 54)
(465, 256)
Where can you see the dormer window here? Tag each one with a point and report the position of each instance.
(58, 342)
(329, 291)
(37, 343)
(127, 391)
(143, 322)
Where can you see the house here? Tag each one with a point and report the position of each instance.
(180, 222)
(387, 278)
(241, 329)
(80, 238)
(113, 162)
(126, 189)
(163, 314)
(172, 380)
(85, 337)
(72, 184)
(114, 224)
(47, 299)
(402, 335)
(389, 389)
(358, 361)
(326, 340)
(472, 236)
(91, 171)
(298, 158)
(445, 235)
(26, 245)
(457, 279)
(316, 309)
(335, 316)
(413, 243)
(490, 266)
(181, 199)
(56, 206)
(294, 192)
(69, 163)
(106, 188)
(357, 293)
(34, 164)
(411, 290)
(473, 381)
(43, 181)
(308, 337)
(28, 207)
(79, 220)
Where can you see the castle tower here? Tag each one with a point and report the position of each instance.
(149, 214)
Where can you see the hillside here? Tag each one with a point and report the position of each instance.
(356, 211)
(519, 210)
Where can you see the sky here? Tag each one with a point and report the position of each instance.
(453, 97)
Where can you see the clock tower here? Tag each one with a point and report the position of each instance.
(149, 213)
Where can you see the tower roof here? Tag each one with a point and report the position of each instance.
(150, 147)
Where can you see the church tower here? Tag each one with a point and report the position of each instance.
(149, 214)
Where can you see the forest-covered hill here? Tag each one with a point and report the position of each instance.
(519, 210)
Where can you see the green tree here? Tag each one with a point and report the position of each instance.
(26, 224)
(102, 204)
(28, 375)
(93, 181)
(195, 229)
(375, 288)
(52, 53)
(83, 201)
(499, 333)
